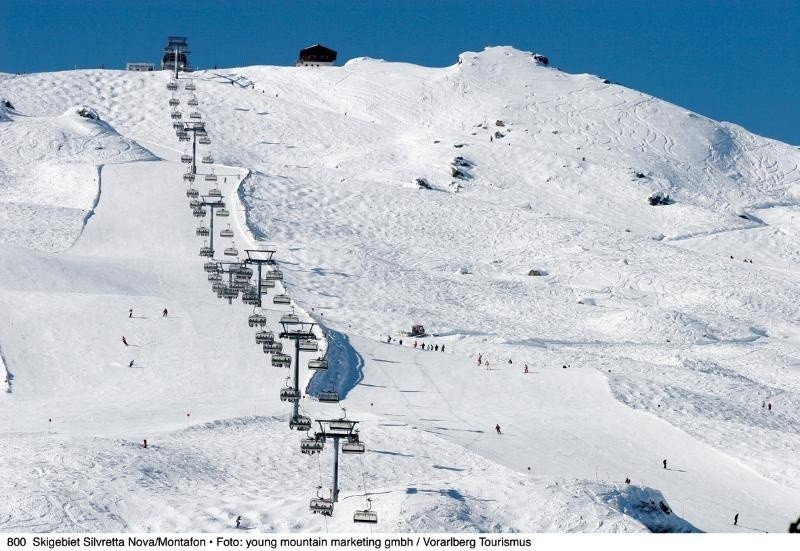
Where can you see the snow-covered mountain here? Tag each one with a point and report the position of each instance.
(397, 194)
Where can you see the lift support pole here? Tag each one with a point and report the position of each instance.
(335, 495)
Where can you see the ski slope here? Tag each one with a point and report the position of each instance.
(672, 345)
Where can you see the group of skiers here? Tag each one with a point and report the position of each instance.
(423, 346)
(164, 314)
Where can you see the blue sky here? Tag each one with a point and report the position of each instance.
(730, 60)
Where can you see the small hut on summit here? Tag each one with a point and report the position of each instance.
(315, 56)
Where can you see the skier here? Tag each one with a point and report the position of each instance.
(130, 364)
(736, 519)
(124, 341)
(415, 344)
(526, 368)
(130, 312)
(436, 348)
(479, 359)
(400, 342)
(487, 365)
(627, 480)
(497, 428)
(769, 406)
(665, 463)
(388, 338)
(509, 361)
(442, 348)
(238, 521)
(164, 313)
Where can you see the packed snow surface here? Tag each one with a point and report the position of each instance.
(649, 332)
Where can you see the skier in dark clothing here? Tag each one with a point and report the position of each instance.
(124, 341)
(497, 428)
(436, 348)
(442, 348)
(164, 313)
(130, 364)
(736, 519)
(238, 521)
(665, 463)
(130, 312)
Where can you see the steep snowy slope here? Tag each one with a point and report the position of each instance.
(673, 345)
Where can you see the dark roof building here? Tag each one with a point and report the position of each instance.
(316, 55)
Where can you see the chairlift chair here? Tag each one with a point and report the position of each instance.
(223, 213)
(178, 126)
(281, 360)
(214, 277)
(250, 298)
(310, 446)
(211, 267)
(264, 336)
(188, 177)
(241, 278)
(290, 318)
(190, 86)
(183, 137)
(202, 231)
(172, 85)
(257, 320)
(321, 505)
(210, 177)
(231, 251)
(174, 102)
(340, 427)
(186, 159)
(229, 292)
(272, 347)
(281, 299)
(289, 394)
(206, 251)
(207, 159)
(328, 397)
(205, 140)
(199, 212)
(367, 515)
(308, 345)
(353, 446)
(194, 115)
(192, 193)
(176, 115)
(300, 422)
(217, 287)
(192, 101)
(214, 191)
(244, 270)
(273, 274)
(195, 203)
(318, 364)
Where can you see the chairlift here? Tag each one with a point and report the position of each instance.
(192, 101)
(214, 276)
(202, 231)
(199, 212)
(257, 320)
(264, 336)
(192, 193)
(328, 397)
(281, 360)
(205, 140)
(272, 347)
(300, 422)
(178, 126)
(308, 345)
(211, 267)
(207, 159)
(195, 203)
(281, 299)
(268, 283)
(321, 505)
(241, 278)
(310, 446)
(172, 85)
(250, 298)
(194, 115)
(231, 251)
(319, 364)
(188, 177)
(210, 177)
(366, 515)
(183, 137)
(290, 318)
(214, 191)
(176, 115)
(223, 212)
(217, 287)
(190, 86)
(273, 274)
(173, 102)
(186, 159)
(206, 251)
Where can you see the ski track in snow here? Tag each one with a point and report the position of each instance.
(673, 346)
